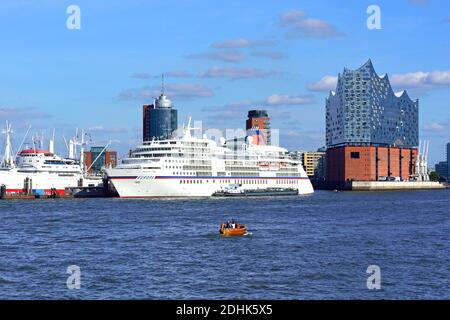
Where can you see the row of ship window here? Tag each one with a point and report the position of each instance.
(189, 181)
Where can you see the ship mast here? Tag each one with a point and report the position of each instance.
(82, 151)
(188, 129)
(8, 158)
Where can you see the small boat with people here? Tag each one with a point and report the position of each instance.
(233, 228)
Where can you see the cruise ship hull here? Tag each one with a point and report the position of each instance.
(134, 186)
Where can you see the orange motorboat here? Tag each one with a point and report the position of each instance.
(233, 229)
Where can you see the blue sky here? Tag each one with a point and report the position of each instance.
(221, 58)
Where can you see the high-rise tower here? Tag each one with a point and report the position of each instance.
(160, 119)
(259, 119)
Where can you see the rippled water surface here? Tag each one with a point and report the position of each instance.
(309, 247)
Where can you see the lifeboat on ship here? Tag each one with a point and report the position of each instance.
(233, 229)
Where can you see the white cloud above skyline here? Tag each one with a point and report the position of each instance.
(421, 80)
(174, 91)
(326, 83)
(274, 55)
(23, 113)
(235, 73)
(170, 74)
(298, 25)
(283, 99)
(243, 43)
(400, 81)
(225, 56)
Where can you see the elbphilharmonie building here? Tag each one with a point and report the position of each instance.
(364, 110)
(371, 131)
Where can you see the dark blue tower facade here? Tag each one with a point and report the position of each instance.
(160, 119)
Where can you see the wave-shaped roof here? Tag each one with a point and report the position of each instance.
(384, 78)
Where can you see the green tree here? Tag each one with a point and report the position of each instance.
(434, 176)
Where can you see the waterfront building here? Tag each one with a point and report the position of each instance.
(371, 132)
(313, 163)
(160, 119)
(99, 157)
(259, 119)
(441, 169)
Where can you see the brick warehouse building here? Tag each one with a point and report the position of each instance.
(370, 163)
(371, 132)
(104, 158)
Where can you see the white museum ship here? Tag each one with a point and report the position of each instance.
(38, 171)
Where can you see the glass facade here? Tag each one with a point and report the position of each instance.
(160, 120)
(163, 122)
(95, 151)
(364, 110)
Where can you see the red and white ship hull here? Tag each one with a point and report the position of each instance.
(41, 182)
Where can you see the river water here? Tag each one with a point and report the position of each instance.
(305, 247)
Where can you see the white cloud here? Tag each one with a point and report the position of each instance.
(102, 130)
(327, 83)
(299, 25)
(296, 139)
(410, 80)
(173, 91)
(242, 43)
(178, 74)
(293, 133)
(291, 17)
(171, 74)
(438, 127)
(9, 113)
(226, 56)
(274, 55)
(421, 79)
(277, 99)
(235, 73)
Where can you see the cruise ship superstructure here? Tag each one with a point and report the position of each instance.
(198, 167)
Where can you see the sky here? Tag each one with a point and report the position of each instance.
(220, 59)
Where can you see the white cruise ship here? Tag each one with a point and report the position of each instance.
(198, 167)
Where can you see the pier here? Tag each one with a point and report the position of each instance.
(379, 185)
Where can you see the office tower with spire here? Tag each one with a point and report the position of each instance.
(160, 119)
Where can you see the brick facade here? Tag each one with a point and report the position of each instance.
(360, 163)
